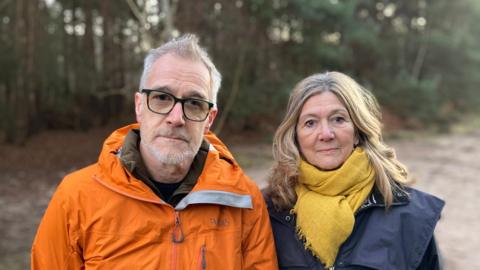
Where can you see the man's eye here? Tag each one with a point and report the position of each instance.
(162, 97)
(195, 103)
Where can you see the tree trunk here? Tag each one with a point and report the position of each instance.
(31, 85)
(17, 129)
(233, 92)
(107, 46)
(89, 49)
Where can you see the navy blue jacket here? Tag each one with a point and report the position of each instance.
(395, 239)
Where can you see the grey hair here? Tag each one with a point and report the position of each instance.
(185, 46)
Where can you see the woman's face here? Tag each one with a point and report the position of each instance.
(325, 132)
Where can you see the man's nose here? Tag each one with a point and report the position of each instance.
(175, 116)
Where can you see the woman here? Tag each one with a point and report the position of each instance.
(337, 195)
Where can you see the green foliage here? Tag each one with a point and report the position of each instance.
(421, 58)
(405, 95)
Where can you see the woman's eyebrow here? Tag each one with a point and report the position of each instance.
(340, 110)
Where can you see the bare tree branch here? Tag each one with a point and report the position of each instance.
(168, 21)
(136, 11)
(142, 19)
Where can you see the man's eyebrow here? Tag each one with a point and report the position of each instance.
(194, 94)
(198, 96)
(162, 88)
(189, 94)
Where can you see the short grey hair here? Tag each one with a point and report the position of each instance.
(185, 46)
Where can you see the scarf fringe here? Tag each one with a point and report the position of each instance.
(309, 246)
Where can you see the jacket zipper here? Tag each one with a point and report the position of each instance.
(177, 233)
(202, 260)
(177, 238)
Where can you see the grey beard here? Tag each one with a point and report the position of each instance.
(174, 159)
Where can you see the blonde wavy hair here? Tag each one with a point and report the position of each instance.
(391, 175)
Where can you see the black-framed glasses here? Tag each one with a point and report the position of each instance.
(162, 102)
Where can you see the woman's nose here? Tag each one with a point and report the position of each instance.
(326, 133)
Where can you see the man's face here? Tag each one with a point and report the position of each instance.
(171, 138)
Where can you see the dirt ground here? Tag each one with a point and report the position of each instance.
(445, 165)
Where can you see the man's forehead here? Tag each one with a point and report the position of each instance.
(172, 71)
(172, 61)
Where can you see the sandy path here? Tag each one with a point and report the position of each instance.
(447, 166)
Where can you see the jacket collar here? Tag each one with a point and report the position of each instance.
(220, 173)
(375, 199)
(132, 161)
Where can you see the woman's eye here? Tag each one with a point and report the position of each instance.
(309, 123)
(339, 119)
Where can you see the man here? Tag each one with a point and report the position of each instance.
(165, 193)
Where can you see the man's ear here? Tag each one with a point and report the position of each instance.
(211, 117)
(138, 106)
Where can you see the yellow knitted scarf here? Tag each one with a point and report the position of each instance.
(327, 202)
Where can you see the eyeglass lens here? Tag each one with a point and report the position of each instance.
(193, 109)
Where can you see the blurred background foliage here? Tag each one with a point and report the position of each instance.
(71, 64)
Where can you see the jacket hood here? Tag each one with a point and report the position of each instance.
(221, 173)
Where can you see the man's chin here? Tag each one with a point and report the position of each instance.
(173, 155)
(175, 158)
(172, 149)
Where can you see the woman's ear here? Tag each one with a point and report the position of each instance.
(357, 139)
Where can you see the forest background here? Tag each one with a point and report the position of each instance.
(69, 69)
(70, 64)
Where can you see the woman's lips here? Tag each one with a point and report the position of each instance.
(327, 150)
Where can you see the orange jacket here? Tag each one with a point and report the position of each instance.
(102, 217)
